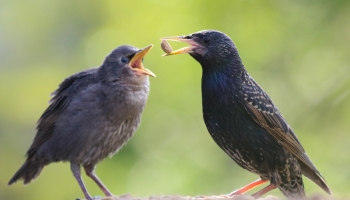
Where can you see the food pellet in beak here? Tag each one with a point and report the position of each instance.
(166, 46)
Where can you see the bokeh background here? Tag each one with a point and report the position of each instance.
(297, 51)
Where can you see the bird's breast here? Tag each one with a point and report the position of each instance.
(231, 127)
(120, 119)
(111, 139)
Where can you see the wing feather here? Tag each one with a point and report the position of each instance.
(260, 107)
(59, 101)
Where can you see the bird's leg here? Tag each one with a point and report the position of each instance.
(76, 173)
(264, 190)
(89, 170)
(248, 187)
(242, 190)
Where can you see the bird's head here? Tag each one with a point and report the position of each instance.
(208, 47)
(125, 63)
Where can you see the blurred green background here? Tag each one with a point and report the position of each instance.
(297, 51)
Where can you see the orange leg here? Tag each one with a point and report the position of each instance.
(249, 187)
(264, 191)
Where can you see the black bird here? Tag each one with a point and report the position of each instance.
(244, 122)
(91, 116)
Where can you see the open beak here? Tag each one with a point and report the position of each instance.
(136, 62)
(189, 49)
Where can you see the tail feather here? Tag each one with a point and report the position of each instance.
(315, 177)
(28, 172)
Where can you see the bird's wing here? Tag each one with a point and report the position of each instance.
(59, 101)
(260, 107)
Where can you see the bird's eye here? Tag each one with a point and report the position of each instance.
(124, 60)
(206, 40)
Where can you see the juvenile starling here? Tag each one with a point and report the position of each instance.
(244, 122)
(91, 116)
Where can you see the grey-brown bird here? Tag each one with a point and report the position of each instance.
(243, 120)
(91, 116)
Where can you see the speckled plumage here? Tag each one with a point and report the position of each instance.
(91, 116)
(243, 121)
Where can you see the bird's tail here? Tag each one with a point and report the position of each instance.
(315, 176)
(29, 171)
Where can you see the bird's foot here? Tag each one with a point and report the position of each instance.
(124, 196)
(235, 193)
(236, 197)
(224, 196)
(95, 198)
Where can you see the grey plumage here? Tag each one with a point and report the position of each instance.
(91, 116)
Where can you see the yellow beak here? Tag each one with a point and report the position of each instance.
(136, 61)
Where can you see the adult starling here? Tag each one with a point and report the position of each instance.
(91, 116)
(244, 122)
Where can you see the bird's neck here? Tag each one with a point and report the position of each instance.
(224, 77)
(220, 86)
